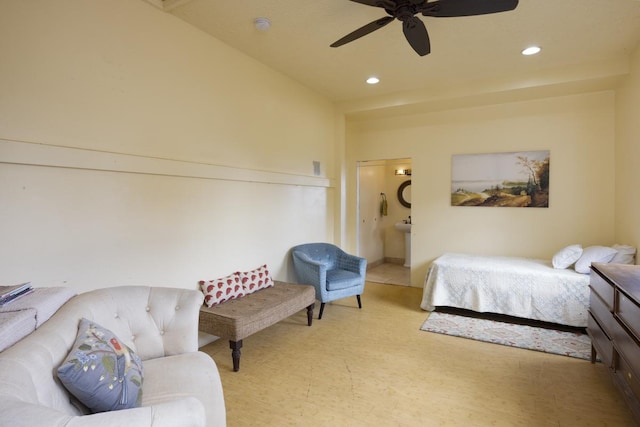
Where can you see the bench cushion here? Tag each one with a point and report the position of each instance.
(237, 319)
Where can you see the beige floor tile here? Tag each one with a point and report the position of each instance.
(393, 274)
(374, 367)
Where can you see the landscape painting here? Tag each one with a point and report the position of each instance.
(519, 179)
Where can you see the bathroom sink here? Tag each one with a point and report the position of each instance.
(405, 228)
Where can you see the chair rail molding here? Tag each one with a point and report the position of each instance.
(37, 154)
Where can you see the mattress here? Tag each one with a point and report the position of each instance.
(521, 287)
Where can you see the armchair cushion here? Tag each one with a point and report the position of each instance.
(341, 279)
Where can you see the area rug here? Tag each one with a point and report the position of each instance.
(572, 344)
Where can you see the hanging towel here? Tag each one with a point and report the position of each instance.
(383, 204)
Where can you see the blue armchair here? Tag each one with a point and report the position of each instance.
(333, 273)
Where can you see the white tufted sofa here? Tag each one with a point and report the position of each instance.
(181, 385)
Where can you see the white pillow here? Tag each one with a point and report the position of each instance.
(594, 254)
(625, 255)
(566, 256)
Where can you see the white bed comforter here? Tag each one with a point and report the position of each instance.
(522, 287)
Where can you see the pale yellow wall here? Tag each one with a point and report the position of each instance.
(579, 132)
(628, 156)
(213, 168)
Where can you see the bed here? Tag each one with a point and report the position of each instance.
(521, 287)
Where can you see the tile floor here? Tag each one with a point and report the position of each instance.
(392, 274)
(374, 367)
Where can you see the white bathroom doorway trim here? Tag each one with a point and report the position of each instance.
(377, 240)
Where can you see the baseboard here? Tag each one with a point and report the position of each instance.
(386, 260)
(374, 264)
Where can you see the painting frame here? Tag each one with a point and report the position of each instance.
(505, 179)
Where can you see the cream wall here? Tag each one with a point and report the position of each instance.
(627, 216)
(579, 131)
(135, 149)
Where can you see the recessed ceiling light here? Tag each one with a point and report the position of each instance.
(532, 50)
(373, 80)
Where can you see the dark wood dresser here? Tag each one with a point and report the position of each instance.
(614, 326)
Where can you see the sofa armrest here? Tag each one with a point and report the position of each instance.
(187, 412)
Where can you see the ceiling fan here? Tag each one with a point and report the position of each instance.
(413, 28)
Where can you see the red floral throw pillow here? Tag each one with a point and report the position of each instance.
(223, 289)
(255, 279)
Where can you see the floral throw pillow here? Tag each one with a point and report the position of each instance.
(256, 279)
(102, 372)
(223, 289)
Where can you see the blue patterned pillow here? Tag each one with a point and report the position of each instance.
(102, 372)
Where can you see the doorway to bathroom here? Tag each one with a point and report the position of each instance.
(384, 219)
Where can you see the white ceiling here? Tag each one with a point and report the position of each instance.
(464, 51)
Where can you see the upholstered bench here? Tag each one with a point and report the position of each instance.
(238, 318)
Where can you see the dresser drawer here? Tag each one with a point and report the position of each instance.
(629, 313)
(627, 347)
(628, 377)
(601, 342)
(603, 288)
(601, 313)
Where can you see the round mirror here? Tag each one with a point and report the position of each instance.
(404, 194)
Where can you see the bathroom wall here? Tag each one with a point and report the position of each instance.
(394, 248)
(379, 241)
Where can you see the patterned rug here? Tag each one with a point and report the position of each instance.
(572, 344)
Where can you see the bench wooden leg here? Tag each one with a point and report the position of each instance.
(235, 354)
(359, 302)
(321, 310)
(310, 313)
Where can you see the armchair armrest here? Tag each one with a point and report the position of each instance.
(352, 263)
(306, 258)
(309, 271)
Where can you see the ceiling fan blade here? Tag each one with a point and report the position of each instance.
(363, 31)
(386, 4)
(452, 8)
(417, 36)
